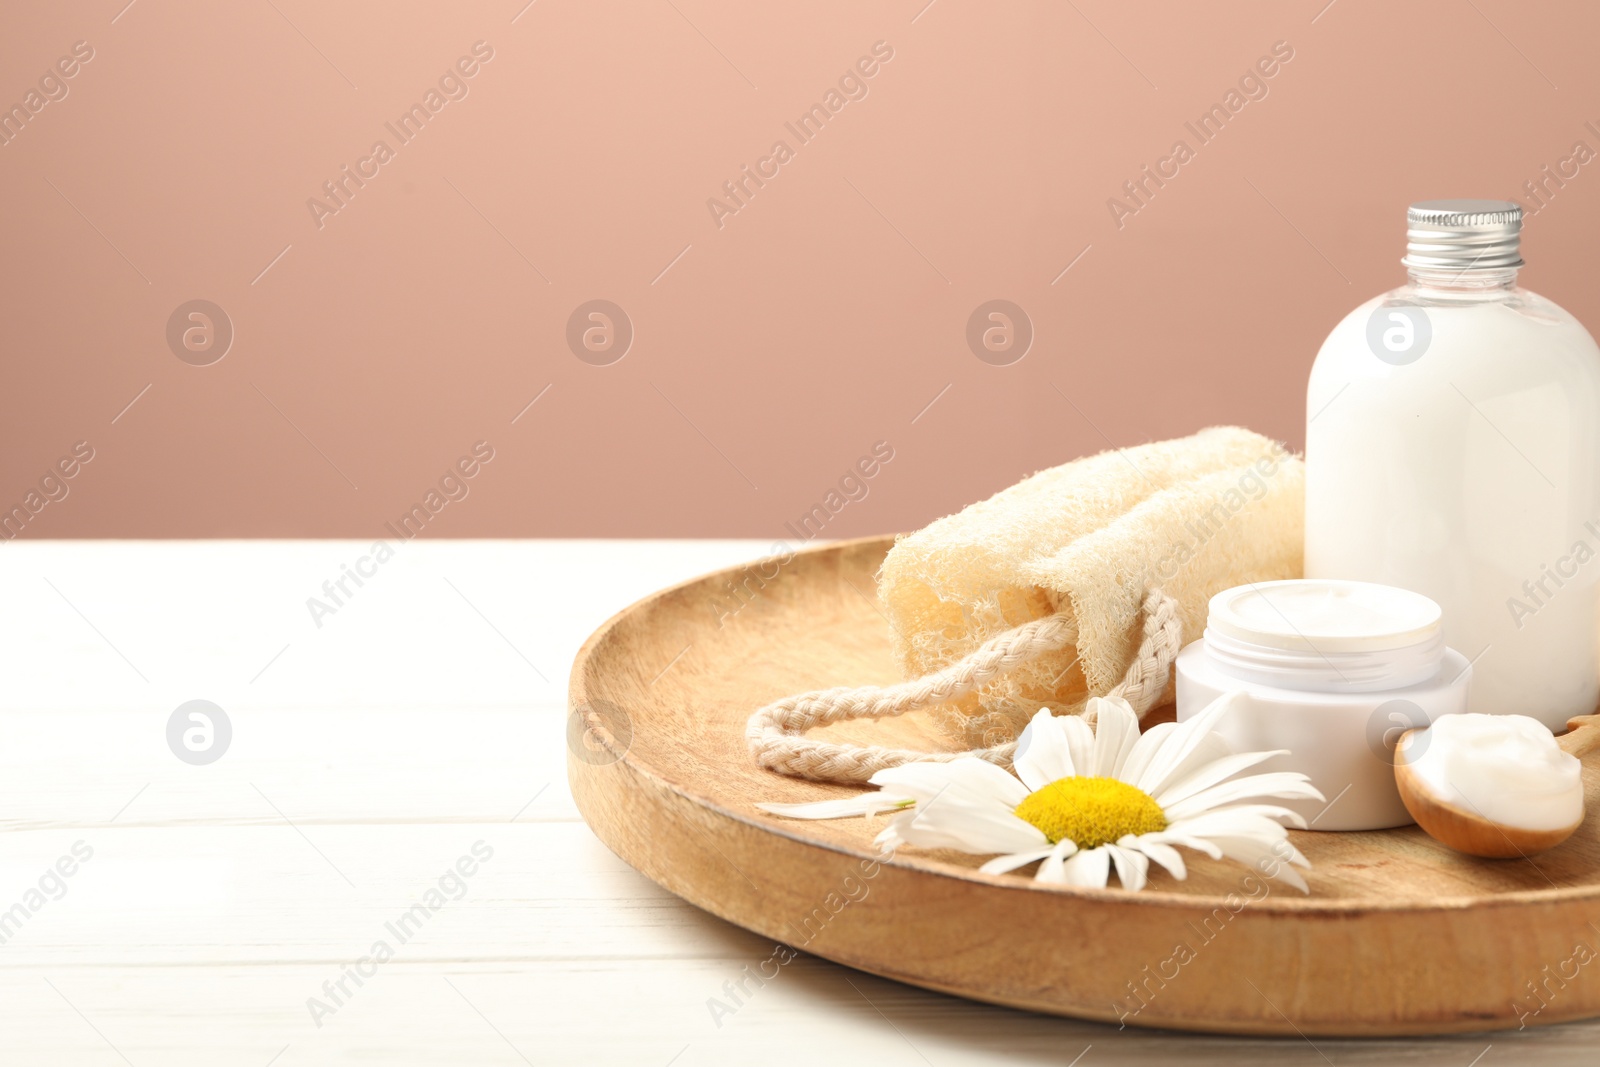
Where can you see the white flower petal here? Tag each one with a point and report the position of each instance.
(956, 819)
(1206, 750)
(843, 808)
(1050, 869)
(1296, 857)
(1238, 813)
(1212, 773)
(1171, 837)
(1080, 742)
(1166, 855)
(1144, 750)
(1284, 785)
(1169, 764)
(971, 776)
(891, 836)
(1133, 867)
(1043, 755)
(1115, 732)
(1270, 835)
(1087, 868)
(1262, 857)
(1002, 864)
(1267, 835)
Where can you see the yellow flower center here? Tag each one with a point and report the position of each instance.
(1091, 812)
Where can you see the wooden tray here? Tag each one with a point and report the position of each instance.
(1398, 936)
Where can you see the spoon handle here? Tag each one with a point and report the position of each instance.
(1582, 736)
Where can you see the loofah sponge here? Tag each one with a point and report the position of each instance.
(1192, 517)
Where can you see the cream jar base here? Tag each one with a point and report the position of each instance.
(1343, 742)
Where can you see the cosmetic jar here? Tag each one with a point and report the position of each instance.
(1333, 672)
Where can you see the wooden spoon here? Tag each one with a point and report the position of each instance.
(1469, 832)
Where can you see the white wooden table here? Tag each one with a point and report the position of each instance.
(423, 718)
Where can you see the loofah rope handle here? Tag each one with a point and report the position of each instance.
(774, 733)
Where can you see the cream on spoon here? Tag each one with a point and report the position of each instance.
(1495, 785)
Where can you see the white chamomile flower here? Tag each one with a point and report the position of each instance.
(1086, 799)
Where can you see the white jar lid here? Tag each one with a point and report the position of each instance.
(1323, 615)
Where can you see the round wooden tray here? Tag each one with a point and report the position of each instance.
(1398, 936)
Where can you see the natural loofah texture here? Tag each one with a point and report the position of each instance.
(1087, 540)
(775, 733)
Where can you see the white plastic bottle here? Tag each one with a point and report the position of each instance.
(1453, 448)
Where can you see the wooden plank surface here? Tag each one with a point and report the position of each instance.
(369, 756)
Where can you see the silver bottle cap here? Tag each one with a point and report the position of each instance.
(1463, 235)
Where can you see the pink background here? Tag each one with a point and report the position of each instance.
(771, 353)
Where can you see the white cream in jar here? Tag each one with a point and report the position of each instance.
(1507, 769)
(1334, 671)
